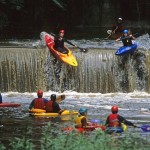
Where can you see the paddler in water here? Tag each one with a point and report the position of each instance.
(126, 38)
(116, 29)
(81, 119)
(52, 106)
(40, 102)
(115, 120)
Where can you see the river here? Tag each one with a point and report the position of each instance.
(99, 82)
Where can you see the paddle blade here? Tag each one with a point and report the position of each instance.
(145, 128)
(96, 121)
(60, 98)
(84, 50)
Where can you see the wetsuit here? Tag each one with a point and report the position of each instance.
(38, 103)
(112, 120)
(59, 45)
(0, 98)
(127, 41)
(52, 107)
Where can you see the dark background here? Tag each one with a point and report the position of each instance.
(27, 18)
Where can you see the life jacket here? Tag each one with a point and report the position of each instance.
(39, 103)
(78, 120)
(113, 120)
(49, 106)
(127, 41)
(58, 43)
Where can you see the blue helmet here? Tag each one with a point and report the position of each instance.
(82, 111)
(125, 31)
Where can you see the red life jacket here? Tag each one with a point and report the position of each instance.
(39, 103)
(113, 120)
(49, 106)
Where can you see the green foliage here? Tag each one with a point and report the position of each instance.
(22, 144)
(16, 4)
(3, 21)
(76, 141)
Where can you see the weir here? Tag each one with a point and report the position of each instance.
(98, 71)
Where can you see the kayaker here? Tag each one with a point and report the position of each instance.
(81, 119)
(117, 28)
(38, 103)
(59, 42)
(126, 38)
(0, 98)
(52, 106)
(115, 120)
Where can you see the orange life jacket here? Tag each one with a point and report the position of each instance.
(49, 106)
(39, 103)
(113, 120)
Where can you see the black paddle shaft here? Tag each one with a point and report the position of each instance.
(81, 49)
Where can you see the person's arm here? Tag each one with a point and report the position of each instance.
(123, 120)
(107, 121)
(119, 39)
(0, 98)
(133, 38)
(84, 122)
(31, 105)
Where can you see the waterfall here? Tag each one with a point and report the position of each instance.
(99, 70)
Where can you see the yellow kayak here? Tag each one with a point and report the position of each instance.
(68, 58)
(65, 115)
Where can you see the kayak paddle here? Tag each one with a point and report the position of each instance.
(96, 121)
(60, 98)
(81, 49)
(145, 128)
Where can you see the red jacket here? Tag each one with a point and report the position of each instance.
(113, 120)
(49, 106)
(39, 103)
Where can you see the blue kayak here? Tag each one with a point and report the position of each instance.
(126, 49)
(114, 130)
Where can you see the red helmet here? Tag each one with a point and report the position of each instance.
(61, 31)
(40, 93)
(114, 109)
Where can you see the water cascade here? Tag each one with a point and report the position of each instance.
(99, 70)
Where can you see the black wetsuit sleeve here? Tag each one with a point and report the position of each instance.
(56, 107)
(123, 120)
(31, 105)
(69, 42)
(0, 98)
(107, 121)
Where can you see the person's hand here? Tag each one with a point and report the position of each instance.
(113, 32)
(75, 46)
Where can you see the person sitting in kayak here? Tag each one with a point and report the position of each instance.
(52, 106)
(126, 38)
(81, 119)
(0, 98)
(117, 28)
(38, 103)
(59, 42)
(115, 120)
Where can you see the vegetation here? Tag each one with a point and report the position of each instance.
(77, 141)
(29, 18)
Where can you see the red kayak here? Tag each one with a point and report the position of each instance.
(66, 58)
(5, 104)
(84, 129)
